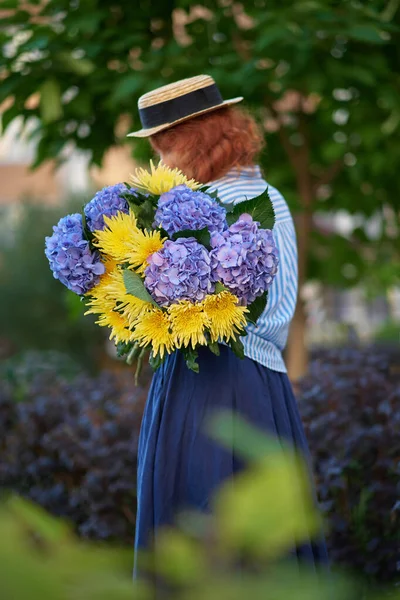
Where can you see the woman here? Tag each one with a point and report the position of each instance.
(193, 129)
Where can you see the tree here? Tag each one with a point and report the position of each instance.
(321, 76)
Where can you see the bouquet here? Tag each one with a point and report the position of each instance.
(166, 266)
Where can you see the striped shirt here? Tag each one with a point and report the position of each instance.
(266, 340)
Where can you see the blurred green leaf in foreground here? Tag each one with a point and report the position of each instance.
(240, 551)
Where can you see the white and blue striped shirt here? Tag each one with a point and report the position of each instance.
(266, 340)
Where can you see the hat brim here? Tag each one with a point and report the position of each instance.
(143, 133)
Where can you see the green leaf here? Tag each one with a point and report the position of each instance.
(88, 234)
(133, 197)
(270, 36)
(134, 208)
(220, 287)
(237, 347)
(260, 208)
(127, 86)
(240, 508)
(134, 285)
(50, 101)
(163, 233)
(124, 348)
(79, 66)
(8, 116)
(11, 86)
(367, 33)
(9, 4)
(156, 361)
(191, 357)
(256, 308)
(38, 519)
(247, 441)
(133, 353)
(214, 347)
(213, 194)
(147, 210)
(201, 235)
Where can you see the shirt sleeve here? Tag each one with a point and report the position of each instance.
(273, 325)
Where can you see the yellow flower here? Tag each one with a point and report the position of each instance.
(144, 244)
(120, 331)
(226, 317)
(115, 286)
(133, 308)
(188, 323)
(154, 328)
(99, 300)
(110, 294)
(99, 305)
(161, 179)
(117, 239)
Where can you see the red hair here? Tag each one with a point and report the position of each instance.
(206, 147)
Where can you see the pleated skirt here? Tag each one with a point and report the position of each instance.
(179, 466)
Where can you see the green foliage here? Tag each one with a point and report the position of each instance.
(237, 347)
(142, 206)
(350, 406)
(388, 332)
(80, 426)
(134, 286)
(321, 76)
(41, 560)
(191, 355)
(200, 560)
(256, 308)
(260, 208)
(201, 235)
(22, 370)
(35, 310)
(220, 287)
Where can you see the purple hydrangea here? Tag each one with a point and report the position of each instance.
(70, 257)
(108, 202)
(181, 270)
(181, 208)
(244, 258)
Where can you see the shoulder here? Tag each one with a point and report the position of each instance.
(238, 186)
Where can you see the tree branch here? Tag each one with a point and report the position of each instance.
(330, 173)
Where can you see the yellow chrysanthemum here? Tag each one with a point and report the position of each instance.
(188, 323)
(120, 331)
(154, 328)
(110, 294)
(133, 308)
(115, 286)
(226, 317)
(144, 244)
(129, 306)
(116, 240)
(100, 305)
(161, 179)
(99, 299)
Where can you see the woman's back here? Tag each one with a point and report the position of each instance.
(180, 466)
(265, 342)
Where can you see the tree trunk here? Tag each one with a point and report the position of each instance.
(297, 351)
(299, 157)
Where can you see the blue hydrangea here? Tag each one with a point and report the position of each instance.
(181, 208)
(181, 270)
(245, 259)
(70, 257)
(108, 202)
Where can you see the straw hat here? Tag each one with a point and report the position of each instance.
(171, 104)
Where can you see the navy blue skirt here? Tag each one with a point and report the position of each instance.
(179, 466)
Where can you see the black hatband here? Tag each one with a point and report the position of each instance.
(181, 107)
